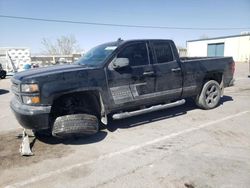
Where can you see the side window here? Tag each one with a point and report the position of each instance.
(163, 52)
(136, 53)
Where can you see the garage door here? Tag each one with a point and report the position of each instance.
(216, 49)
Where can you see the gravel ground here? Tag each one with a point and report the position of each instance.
(178, 147)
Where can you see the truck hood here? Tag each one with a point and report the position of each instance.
(49, 71)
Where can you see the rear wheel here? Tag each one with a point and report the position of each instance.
(210, 95)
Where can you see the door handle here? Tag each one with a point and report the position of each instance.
(148, 73)
(176, 69)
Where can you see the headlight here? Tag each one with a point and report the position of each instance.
(31, 99)
(29, 88)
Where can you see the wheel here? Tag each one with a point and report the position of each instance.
(75, 125)
(4, 76)
(210, 95)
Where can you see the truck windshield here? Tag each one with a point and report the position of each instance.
(97, 55)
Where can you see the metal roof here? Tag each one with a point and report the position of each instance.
(230, 36)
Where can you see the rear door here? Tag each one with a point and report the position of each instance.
(167, 69)
(133, 84)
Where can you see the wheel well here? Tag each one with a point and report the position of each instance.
(75, 103)
(213, 76)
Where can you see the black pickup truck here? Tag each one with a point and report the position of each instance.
(116, 79)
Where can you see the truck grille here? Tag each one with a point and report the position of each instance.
(15, 87)
(18, 97)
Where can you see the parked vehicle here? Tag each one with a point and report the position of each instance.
(120, 79)
(2, 72)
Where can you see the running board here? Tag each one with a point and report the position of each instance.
(147, 110)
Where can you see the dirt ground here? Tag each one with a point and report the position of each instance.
(178, 147)
(10, 157)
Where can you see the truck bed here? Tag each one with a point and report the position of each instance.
(196, 68)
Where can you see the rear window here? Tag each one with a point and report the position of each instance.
(163, 52)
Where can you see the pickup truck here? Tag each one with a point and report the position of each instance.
(117, 79)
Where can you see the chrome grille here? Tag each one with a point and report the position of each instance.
(15, 87)
(18, 97)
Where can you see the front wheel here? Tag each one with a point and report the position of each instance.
(210, 95)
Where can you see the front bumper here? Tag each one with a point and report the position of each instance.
(31, 117)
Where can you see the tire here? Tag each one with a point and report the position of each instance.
(4, 76)
(210, 95)
(75, 125)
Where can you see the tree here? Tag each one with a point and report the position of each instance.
(65, 45)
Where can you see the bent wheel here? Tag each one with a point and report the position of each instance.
(75, 125)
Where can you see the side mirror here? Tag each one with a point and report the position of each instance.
(120, 63)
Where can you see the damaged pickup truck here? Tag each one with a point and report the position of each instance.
(117, 79)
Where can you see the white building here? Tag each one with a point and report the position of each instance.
(182, 52)
(19, 56)
(237, 46)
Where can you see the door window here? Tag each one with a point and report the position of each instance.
(136, 53)
(163, 52)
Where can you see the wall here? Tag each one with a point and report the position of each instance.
(182, 52)
(19, 56)
(237, 47)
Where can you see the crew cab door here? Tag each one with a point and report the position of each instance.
(167, 69)
(131, 84)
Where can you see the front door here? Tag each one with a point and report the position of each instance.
(133, 84)
(168, 71)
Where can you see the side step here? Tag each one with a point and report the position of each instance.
(147, 110)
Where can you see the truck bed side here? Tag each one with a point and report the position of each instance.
(197, 70)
